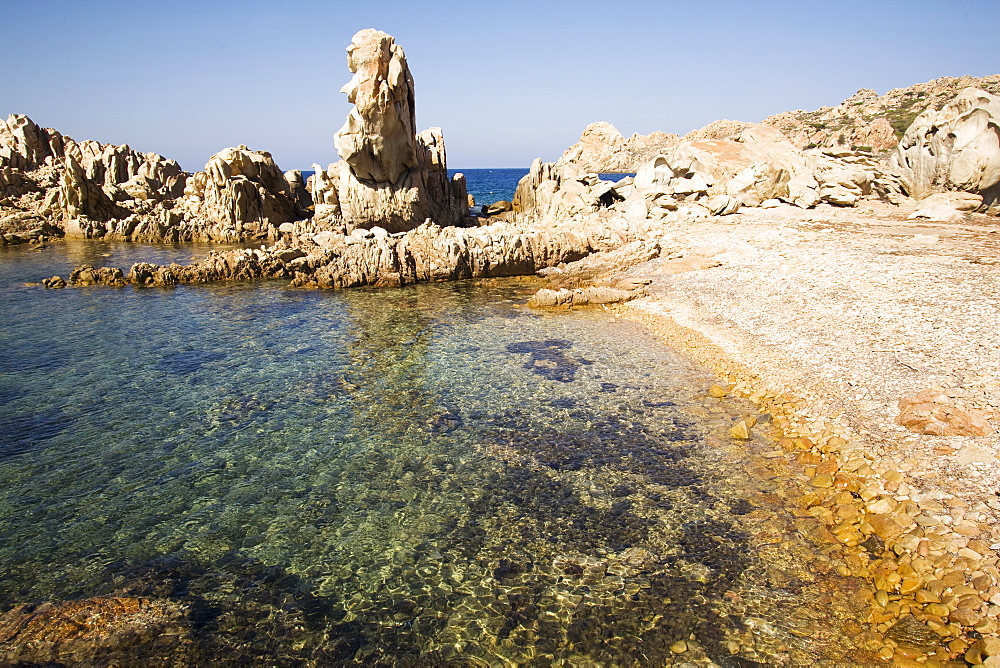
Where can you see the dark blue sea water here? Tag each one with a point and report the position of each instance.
(432, 475)
(493, 185)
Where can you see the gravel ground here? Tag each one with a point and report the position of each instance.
(852, 310)
(827, 319)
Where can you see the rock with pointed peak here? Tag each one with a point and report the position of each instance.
(389, 175)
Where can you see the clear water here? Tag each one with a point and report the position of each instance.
(423, 476)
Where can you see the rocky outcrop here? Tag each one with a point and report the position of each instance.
(241, 194)
(91, 190)
(867, 120)
(551, 190)
(760, 165)
(603, 149)
(389, 176)
(956, 148)
(124, 172)
(373, 257)
(698, 178)
(427, 253)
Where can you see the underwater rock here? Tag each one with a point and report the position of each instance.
(94, 631)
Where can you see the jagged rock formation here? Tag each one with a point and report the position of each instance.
(389, 176)
(867, 119)
(956, 148)
(603, 149)
(709, 177)
(47, 173)
(242, 194)
(92, 190)
(551, 190)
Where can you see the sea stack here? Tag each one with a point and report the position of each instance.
(390, 176)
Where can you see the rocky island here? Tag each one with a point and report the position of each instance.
(837, 268)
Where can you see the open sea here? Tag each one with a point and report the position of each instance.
(493, 185)
(426, 476)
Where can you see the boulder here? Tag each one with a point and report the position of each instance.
(242, 193)
(947, 206)
(546, 298)
(497, 208)
(956, 148)
(722, 205)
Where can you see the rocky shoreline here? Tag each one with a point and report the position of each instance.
(913, 509)
(860, 321)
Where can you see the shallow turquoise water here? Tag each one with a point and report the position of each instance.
(423, 476)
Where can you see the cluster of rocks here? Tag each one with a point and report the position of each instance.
(729, 164)
(939, 411)
(389, 176)
(704, 177)
(91, 190)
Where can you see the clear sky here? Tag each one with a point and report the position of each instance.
(507, 81)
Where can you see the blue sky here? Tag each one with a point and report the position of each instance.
(507, 81)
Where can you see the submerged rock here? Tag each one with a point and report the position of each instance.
(95, 631)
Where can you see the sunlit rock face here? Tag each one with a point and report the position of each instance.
(956, 148)
(390, 176)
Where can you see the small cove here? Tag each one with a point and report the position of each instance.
(431, 475)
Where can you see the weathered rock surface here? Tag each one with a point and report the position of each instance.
(91, 190)
(376, 257)
(242, 194)
(603, 149)
(551, 190)
(704, 177)
(389, 176)
(597, 295)
(759, 166)
(50, 175)
(956, 148)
